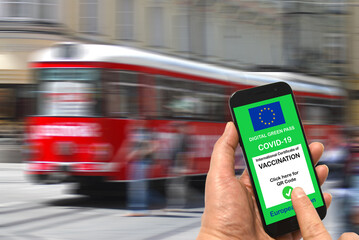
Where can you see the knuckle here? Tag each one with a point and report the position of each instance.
(315, 231)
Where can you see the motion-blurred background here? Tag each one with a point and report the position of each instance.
(304, 42)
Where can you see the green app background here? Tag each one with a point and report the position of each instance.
(251, 149)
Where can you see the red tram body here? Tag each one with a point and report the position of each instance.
(90, 97)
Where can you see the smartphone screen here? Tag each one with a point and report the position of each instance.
(276, 152)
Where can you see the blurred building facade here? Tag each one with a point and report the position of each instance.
(353, 81)
(25, 26)
(255, 35)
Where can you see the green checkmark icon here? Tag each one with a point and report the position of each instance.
(287, 191)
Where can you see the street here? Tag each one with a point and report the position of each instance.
(30, 211)
(36, 212)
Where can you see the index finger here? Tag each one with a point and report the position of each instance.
(311, 226)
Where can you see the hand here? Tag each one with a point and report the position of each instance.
(310, 224)
(230, 207)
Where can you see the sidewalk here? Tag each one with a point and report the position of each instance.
(11, 154)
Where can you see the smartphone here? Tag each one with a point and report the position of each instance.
(276, 153)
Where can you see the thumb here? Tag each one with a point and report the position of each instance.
(310, 224)
(222, 160)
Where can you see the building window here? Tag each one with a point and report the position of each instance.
(335, 48)
(336, 6)
(180, 26)
(89, 16)
(354, 94)
(155, 27)
(211, 48)
(125, 19)
(35, 10)
(231, 42)
(7, 102)
(16, 9)
(47, 10)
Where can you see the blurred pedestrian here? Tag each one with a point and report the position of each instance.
(140, 157)
(181, 150)
(336, 154)
(352, 176)
(176, 185)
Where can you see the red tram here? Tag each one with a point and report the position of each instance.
(91, 97)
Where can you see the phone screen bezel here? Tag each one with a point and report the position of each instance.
(257, 94)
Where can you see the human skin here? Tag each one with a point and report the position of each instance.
(230, 207)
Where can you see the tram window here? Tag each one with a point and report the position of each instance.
(175, 98)
(68, 92)
(322, 111)
(182, 99)
(214, 101)
(316, 114)
(122, 94)
(337, 111)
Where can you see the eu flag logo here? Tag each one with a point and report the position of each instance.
(266, 116)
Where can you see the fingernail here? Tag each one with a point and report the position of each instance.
(322, 145)
(298, 192)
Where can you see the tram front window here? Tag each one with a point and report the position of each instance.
(68, 92)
